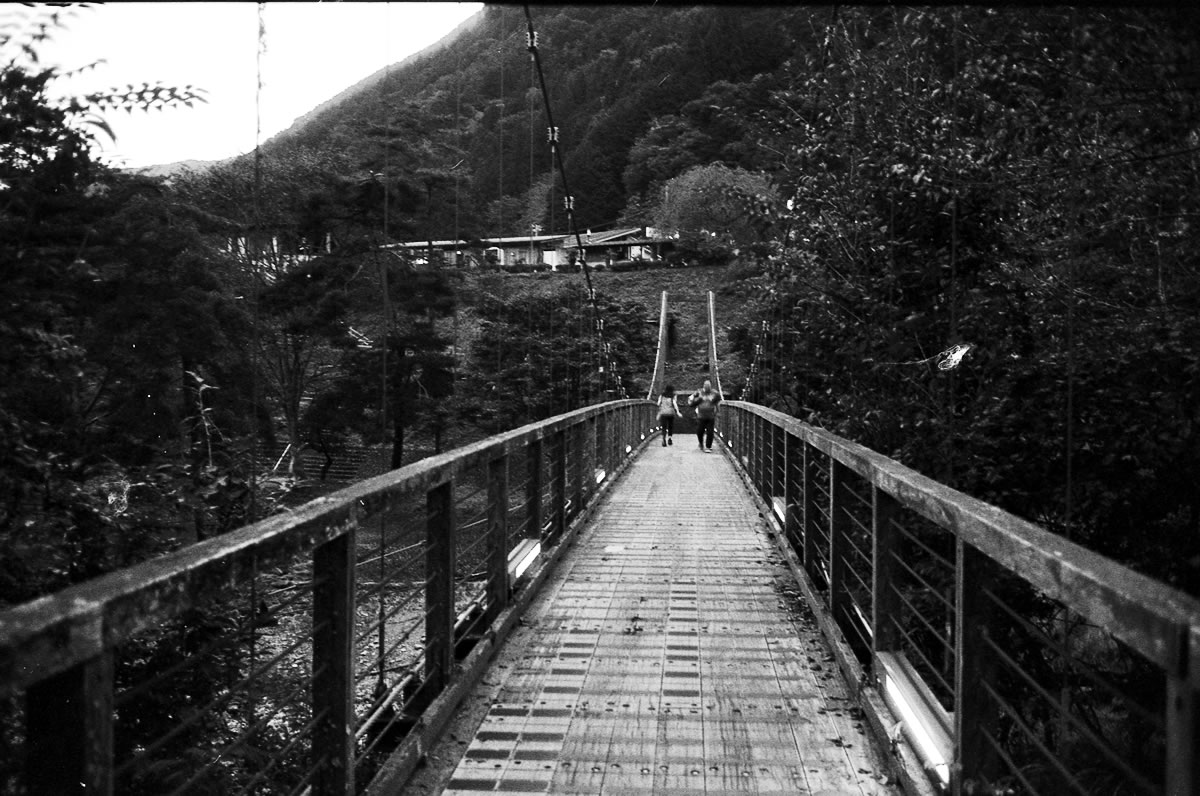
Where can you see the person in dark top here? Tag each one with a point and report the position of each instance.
(705, 400)
(668, 410)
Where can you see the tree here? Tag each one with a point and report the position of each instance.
(77, 238)
(305, 322)
(959, 178)
(406, 342)
(715, 209)
(539, 357)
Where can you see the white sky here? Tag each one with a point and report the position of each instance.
(314, 50)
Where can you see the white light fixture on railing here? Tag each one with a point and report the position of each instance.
(521, 558)
(924, 721)
(629, 449)
(600, 474)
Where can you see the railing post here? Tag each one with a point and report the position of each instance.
(622, 436)
(333, 665)
(579, 461)
(439, 587)
(1183, 724)
(973, 666)
(793, 493)
(589, 458)
(808, 498)
(838, 528)
(558, 485)
(771, 460)
(768, 459)
(497, 537)
(619, 438)
(752, 450)
(533, 489)
(778, 466)
(602, 441)
(757, 457)
(69, 730)
(885, 602)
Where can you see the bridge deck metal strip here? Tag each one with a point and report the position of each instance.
(670, 655)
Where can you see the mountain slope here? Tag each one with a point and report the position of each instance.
(612, 73)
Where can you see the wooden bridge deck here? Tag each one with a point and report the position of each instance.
(670, 654)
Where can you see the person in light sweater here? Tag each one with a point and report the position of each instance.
(705, 401)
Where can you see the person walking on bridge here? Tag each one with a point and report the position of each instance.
(668, 410)
(705, 400)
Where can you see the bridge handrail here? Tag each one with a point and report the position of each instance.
(73, 628)
(1150, 616)
(841, 507)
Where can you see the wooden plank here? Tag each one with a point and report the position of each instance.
(678, 655)
(399, 766)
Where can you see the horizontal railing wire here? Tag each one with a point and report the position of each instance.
(1068, 721)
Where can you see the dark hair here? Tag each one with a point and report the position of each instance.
(668, 391)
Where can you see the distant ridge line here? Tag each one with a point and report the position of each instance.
(372, 80)
(298, 124)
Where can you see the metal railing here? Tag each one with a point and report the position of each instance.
(1016, 661)
(313, 651)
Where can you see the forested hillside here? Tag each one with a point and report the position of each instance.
(613, 73)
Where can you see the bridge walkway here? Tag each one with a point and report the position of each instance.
(670, 653)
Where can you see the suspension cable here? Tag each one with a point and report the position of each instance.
(385, 349)
(256, 221)
(752, 373)
(251, 697)
(500, 146)
(604, 350)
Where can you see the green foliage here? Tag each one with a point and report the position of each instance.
(109, 301)
(1025, 188)
(411, 333)
(715, 210)
(46, 143)
(539, 357)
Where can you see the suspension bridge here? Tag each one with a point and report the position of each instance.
(593, 612)
(790, 613)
